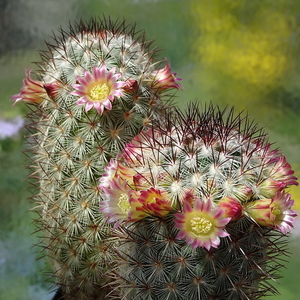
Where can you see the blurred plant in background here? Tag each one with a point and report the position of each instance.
(245, 42)
(246, 38)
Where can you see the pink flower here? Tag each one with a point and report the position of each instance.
(282, 171)
(116, 205)
(153, 202)
(135, 152)
(201, 225)
(110, 172)
(115, 168)
(98, 89)
(274, 212)
(164, 79)
(32, 91)
(232, 208)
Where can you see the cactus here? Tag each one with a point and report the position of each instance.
(200, 209)
(98, 86)
(139, 201)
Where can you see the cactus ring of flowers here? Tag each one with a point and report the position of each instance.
(98, 89)
(201, 225)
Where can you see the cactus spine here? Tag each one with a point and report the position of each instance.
(207, 209)
(98, 87)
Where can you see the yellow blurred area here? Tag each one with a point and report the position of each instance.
(253, 48)
(295, 191)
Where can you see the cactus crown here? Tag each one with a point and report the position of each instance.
(206, 208)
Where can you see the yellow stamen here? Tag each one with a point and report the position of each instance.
(123, 203)
(200, 226)
(276, 210)
(99, 92)
(151, 199)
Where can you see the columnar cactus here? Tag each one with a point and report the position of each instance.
(200, 206)
(98, 87)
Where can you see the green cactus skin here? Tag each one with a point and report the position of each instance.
(71, 143)
(153, 264)
(217, 158)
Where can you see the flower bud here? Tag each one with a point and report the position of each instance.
(232, 208)
(164, 79)
(274, 212)
(32, 91)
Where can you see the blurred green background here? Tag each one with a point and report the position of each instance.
(231, 52)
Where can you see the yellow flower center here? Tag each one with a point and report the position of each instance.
(151, 198)
(123, 203)
(200, 226)
(99, 92)
(276, 210)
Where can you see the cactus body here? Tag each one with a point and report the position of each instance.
(207, 209)
(137, 201)
(99, 86)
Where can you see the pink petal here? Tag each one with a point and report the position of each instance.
(119, 84)
(207, 245)
(102, 72)
(187, 207)
(88, 106)
(82, 80)
(107, 104)
(116, 77)
(97, 105)
(111, 97)
(81, 101)
(179, 217)
(215, 242)
(195, 244)
(100, 110)
(77, 86)
(97, 73)
(110, 74)
(118, 94)
(88, 77)
(77, 93)
(223, 233)
(180, 235)
(189, 240)
(223, 222)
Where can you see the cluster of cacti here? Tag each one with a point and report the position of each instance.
(98, 86)
(137, 201)
(200, 208)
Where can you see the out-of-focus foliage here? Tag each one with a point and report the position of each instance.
(167, 22)
(248, 49)
(20, 278)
